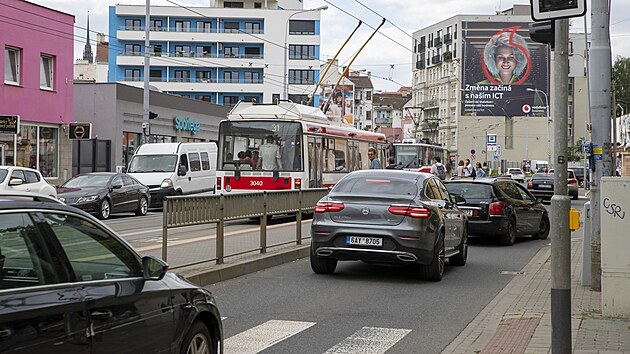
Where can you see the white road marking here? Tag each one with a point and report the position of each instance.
(369, 340)
(263, 336)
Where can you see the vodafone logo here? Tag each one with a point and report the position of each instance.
(527, 108)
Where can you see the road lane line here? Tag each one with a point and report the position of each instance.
(205, 238)
(369, 340)
(263, 336)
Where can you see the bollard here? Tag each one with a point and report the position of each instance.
(586, 245)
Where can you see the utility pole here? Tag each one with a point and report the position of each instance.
(146, 130)
(600, 98)
(560, 202)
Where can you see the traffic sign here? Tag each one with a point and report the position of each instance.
(495, 158)
(492, 148)
(491, 139)
(472, 152)
(549, 152)
(472, 157)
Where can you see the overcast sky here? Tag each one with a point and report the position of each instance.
(381, 53)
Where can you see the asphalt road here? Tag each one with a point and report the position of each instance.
(289, 309)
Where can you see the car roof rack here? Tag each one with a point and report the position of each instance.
(36, 197)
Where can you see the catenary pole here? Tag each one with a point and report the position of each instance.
(560, 202)
(600, 100)
(145, 101)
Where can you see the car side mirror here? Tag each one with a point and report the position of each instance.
(181, 171)
(459, 200)
(15, 181)
(153, 268)
(116, 186)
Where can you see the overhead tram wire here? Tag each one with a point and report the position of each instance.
(377, 14)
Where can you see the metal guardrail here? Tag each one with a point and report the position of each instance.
(191, 210)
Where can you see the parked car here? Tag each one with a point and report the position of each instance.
(22, 179)
(69, 284)
(573, 184)
(501, 208)
(541, 185)
(105, 193)
(516, 173)
(389, 217)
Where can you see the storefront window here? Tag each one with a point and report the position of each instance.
(6, 149)
(38, 148)
(163, 139)
(131, 141)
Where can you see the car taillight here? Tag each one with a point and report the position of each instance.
(298, 183)
(218, 183)
(496, 208)
(572, 180)
(411, 211)
(530, 185)
(328, 207)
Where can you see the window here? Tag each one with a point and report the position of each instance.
(156, 50)
(118, 181)
(11, 65)
(155, 75)
(18, 174)
(298, 51)
(252, 52)
(301, 99)
(368, 95)
(195, 163)
(204, 26)
(132, 74)
(203, 76)
(205, 161)
(301, 27)
(233, 4)
(182, 76)
(182, 26)
(31, 177)
(252, 77)
(132, 49)
(230, 100)
(258, 5)
(301, 77)
(231, 27)
(182, 50)
(204, 51)
(570, 86)
(205, 98)
(252, 27)
(230, 76)
(132, 24)
(230, 52)
(128, 181)
(38, 149)
(155, 25)
(183, 161)
(510, 190)
(93, 254)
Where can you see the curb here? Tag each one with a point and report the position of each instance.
(207, 274)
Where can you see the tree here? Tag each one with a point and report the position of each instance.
(621, 77)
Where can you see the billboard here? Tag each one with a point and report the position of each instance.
(341, 105)
(504, 73)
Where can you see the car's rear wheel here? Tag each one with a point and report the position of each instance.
(198, 340)
(460, 258)
(143, 206)
(509, 237)
(435, 270)
(544, 228)
(105, 209)
(322, 265)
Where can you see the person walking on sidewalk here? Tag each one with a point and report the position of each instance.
(438, 169)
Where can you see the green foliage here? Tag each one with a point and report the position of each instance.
(621, 77)
(575, 151)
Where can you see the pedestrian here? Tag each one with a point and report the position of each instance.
(374, 162)
(438, 169)
(468, 169)
(486, 169)
(270, 155)
(391, 164)
(479, 172)
(460, 168)
(449, 171)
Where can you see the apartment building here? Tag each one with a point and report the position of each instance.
(251, 50)
(464, 88)
(37, 88)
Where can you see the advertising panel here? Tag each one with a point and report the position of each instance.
(341, 106)
(504, 73)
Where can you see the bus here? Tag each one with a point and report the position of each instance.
(414, 156)
(288, 146)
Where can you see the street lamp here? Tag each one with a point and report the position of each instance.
(286, 48)
(548, 122)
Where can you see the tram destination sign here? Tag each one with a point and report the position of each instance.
(9, 124)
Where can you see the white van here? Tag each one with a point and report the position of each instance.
(175, 168)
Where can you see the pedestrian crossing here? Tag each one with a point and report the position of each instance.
(366, 340)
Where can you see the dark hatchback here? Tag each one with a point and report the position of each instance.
(541, 185)
(389, 217)
(68, 284)
(105, 193)
(501, 208)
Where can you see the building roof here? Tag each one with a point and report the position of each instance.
(395, 101)
(361, 81)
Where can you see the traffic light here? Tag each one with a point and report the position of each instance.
(555, 9)
(543, 32)
(152, 115)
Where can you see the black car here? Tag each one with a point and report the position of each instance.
(68, 284)
(105, 193)
(389, 217)
(541, 185)
(502, 208)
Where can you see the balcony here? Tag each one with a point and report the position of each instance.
(187, 58)
(448, 38)
(437, 42)
(191, 29)
(436, 59)
(421, 47)
(429, 104)
(420, 64)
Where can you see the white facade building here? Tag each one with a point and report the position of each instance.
(224, 53)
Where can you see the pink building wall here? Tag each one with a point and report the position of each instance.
(37, 30)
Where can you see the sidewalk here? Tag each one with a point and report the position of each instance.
(518, 319)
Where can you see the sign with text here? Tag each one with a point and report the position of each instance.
(80, 131)
(501, 66)
(9, 124)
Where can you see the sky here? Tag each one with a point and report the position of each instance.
(388, 55)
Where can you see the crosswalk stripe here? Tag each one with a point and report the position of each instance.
(263, 336)
(369, 340)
